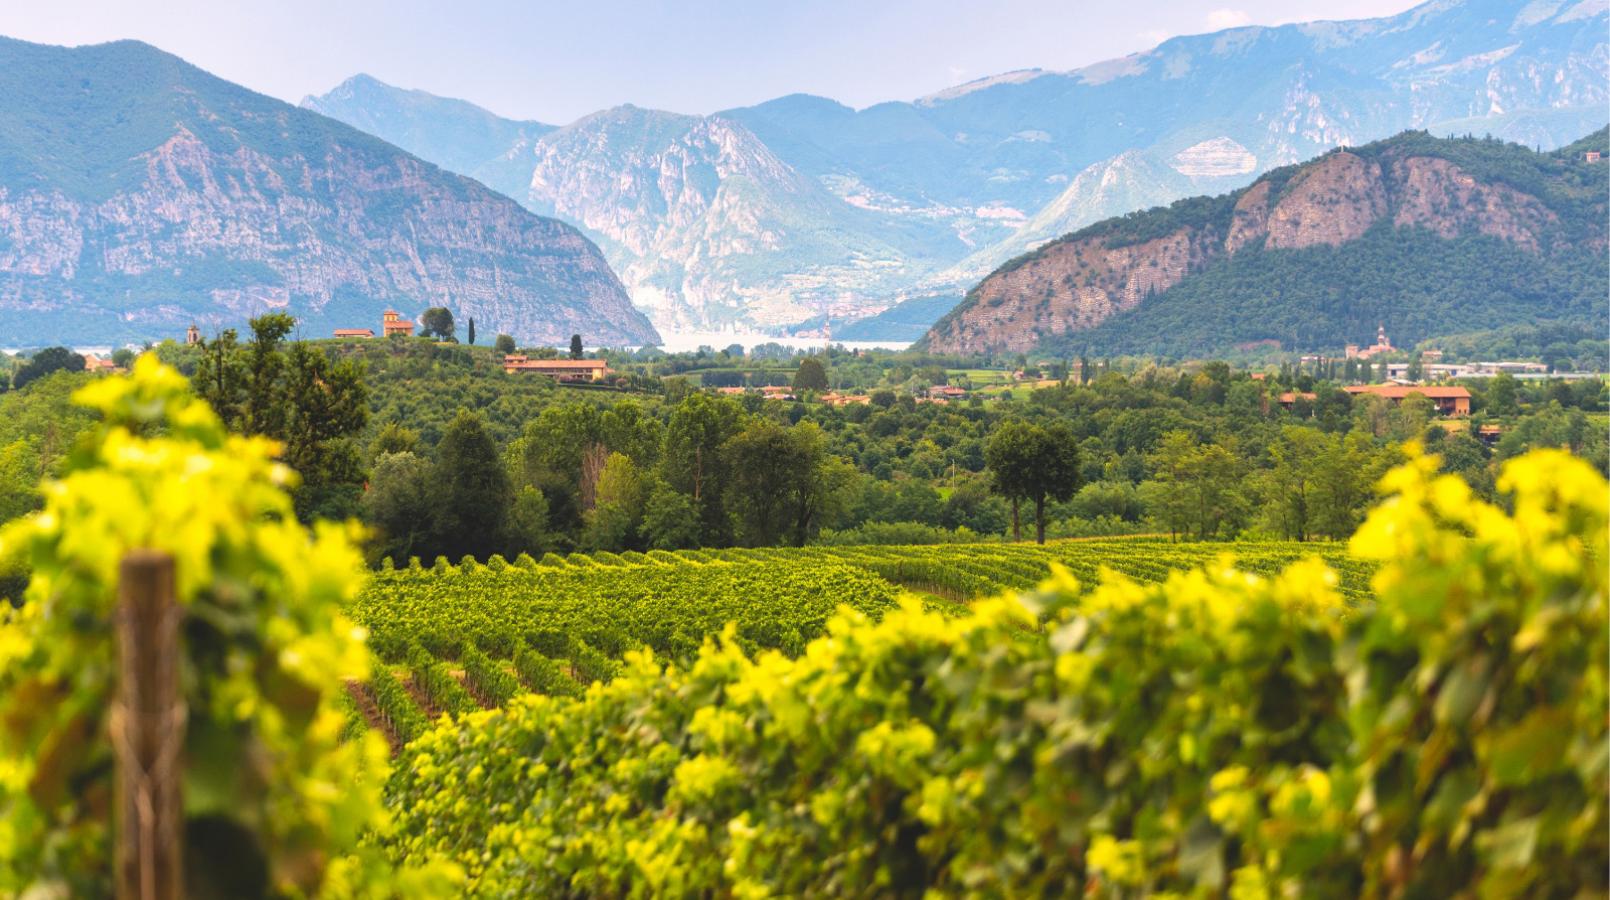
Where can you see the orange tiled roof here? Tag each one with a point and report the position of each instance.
(1399, 391)
(555, 363)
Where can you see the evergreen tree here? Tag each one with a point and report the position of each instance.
(474, 490)
(471, 330)
(576, 351)
(438, 321)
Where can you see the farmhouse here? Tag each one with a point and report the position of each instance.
(833, 398)
(354, 332)
(559, 369)
(1450, 401)
(392, 322)
(946, 392)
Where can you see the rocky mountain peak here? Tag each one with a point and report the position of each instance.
(1390, 192)
(139, 194)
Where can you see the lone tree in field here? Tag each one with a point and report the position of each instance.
(1034, 463)
(575, 346)
(472, 330)
(812, 375)
(438, 320)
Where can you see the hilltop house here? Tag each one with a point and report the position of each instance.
(558, 369)
(392, 322)
(192, 335)
(1450, 401)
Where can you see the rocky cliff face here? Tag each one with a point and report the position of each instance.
(705, 223)
(181, 198)
(1414, 182)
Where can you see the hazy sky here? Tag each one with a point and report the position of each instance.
(557, 61)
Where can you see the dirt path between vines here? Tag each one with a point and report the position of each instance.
(365, 701)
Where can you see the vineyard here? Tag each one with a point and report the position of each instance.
(1247, 731)
(453, 639)
(1114, 718)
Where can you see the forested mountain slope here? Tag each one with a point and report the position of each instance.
(1425, 235)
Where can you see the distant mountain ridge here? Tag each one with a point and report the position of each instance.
(949, 186)
(1429, 236)
(139, 194)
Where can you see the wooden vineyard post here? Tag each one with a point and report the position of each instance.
(147, 725)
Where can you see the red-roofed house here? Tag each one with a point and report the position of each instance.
(392, 322)
(1450, 401)
(354, 332)
(560, 369)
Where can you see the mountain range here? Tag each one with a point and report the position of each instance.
(1425, 236)
(802, 209)
(139, 195)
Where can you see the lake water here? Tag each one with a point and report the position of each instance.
(689, 341)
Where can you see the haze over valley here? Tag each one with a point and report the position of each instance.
(777, 215)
